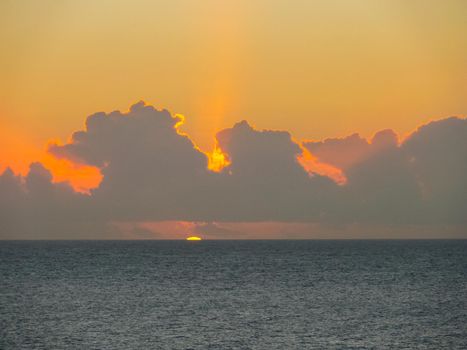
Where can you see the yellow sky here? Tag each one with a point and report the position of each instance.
(316, 68)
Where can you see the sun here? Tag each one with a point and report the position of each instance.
(193, 238)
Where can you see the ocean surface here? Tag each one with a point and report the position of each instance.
(233, 295)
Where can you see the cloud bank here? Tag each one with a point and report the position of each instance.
(152, 172)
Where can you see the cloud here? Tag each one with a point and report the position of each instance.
(382, 189)
(346, 152)
(150, 170)
(265, 180)
(437, 156)
(154, 173)
(32, 207)
(423, 180)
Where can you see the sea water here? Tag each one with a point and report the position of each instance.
(233, 295)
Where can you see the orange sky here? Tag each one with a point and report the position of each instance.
(316, 68)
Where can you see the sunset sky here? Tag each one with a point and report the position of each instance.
(317, 69)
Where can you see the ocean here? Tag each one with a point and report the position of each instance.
(233, 294)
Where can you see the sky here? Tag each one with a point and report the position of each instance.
(311, 70)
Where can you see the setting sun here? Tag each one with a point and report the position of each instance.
(193, 238)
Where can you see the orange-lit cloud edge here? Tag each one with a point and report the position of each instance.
(83, 178)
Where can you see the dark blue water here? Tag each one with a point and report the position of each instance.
(233, 295)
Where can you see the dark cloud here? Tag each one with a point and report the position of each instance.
(346, 152)
(382, 189)
(265, 181)
(150, 170)
(32, 207)
(421, 181)
(153, 172)
(437, 156)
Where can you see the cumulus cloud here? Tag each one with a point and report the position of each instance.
(265, 180)
(437, 156)
(153, 173)
(150, 170)
(32, 207)
(421, 180)
(346, 152)
(382, 188)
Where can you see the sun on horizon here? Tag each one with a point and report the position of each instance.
(193, 238)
